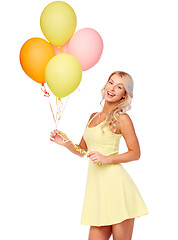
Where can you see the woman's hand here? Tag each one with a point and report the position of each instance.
(58, 137)
(96, 157)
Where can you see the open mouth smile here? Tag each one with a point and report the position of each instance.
(110, 94)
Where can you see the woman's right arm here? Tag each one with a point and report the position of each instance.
(61, 139)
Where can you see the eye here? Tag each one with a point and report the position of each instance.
(110, 82)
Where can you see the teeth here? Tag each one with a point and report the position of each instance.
(111, 94)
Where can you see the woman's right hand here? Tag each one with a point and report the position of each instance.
(59, 137)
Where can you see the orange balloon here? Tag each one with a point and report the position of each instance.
(34, 57)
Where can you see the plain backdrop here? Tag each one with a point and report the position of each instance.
(42, 185)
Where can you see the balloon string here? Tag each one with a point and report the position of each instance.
(78, 149)
(62, 108)
(59, 106)
(52, 111)
(46, 94)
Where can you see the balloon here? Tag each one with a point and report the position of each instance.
(87, 46)
(62, 49)
(58, 22)
(63, 74)
(34, 57)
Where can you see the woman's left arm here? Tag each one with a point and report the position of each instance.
(128, 132)
(127, 129)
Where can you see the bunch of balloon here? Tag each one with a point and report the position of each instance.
(60, 61)
(63, 72)
(86, 45)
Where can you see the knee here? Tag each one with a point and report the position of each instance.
(100, 233)
(121, 237)
(123, 230)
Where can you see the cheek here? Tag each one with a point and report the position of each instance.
(106, 86)
(120, 92)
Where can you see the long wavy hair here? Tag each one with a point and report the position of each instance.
(124, 104)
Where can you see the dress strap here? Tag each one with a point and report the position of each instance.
(93, 118)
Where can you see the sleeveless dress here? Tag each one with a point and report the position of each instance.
(111, 196)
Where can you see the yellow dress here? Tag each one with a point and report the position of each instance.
(111, 196)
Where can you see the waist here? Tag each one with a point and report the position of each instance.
(105, 152)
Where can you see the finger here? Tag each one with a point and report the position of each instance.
(53, 134)
(90, 154)
(59, 132)
(95, 161)
(56, 131)
(93, 158)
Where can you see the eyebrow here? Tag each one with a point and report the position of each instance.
(118, 83)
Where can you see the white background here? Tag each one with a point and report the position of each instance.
(42, 185)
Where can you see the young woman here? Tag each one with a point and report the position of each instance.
(112, 200)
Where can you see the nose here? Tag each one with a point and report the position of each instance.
(112, 87)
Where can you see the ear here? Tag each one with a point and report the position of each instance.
(123, 97)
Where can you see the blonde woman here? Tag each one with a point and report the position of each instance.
(112, 200)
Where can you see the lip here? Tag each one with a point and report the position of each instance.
(110, 94)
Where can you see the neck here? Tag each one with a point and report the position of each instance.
(108, 107)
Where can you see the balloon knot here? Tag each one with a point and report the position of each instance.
(61, 49)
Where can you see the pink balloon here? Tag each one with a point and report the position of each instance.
(63, 49)
(87, 46)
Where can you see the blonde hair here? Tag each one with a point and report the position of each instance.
(124, 104)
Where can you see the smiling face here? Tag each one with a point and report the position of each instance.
(114, 89)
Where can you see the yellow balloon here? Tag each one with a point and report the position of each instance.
(58, 22)
(63, 74)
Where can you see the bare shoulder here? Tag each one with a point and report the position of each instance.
(92, 115)
(125, 120)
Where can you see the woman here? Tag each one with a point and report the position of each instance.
(112, 200)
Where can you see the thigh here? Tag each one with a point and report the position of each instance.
(100, 233)
(123, 230)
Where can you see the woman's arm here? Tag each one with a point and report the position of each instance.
(61, 139)
(126, 128)
(79, 150)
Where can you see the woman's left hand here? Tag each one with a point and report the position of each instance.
(96, 157)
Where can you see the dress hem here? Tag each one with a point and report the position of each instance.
(114, 222)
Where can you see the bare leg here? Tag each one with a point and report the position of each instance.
(100, 233)
(123, 230)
